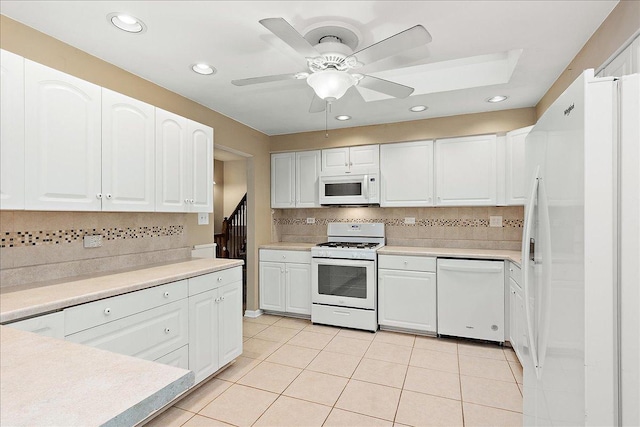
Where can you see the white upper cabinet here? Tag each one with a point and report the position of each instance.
(406, 174)
(184, 164)
(307, 173)
(63, 141)
(11, 131)
(171, 162)
(200, 170)
(466, 171)
(627, 62)
(358, 159)
(515, 182)
(283, 180)
(128, 153)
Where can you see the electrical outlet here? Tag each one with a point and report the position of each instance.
(410, 220)
(495, 221)
(203, 218)
(92, 241)
(311, 220)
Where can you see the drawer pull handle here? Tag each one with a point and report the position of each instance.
(166, 294)
(167, 330)
(107, 311)
(220, 279)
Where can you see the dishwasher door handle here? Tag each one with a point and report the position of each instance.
(468, 269)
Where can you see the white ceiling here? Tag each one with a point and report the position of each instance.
(479, 49)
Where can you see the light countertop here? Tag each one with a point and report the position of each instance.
(288, 246)
(46, 381)
(25, 301)
(514, 256)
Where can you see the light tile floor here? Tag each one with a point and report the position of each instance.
(293, 373)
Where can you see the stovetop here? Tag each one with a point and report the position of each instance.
(349, 245)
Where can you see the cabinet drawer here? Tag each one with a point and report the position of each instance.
(411, 263)
(178, 358)
(97, 313)
(206, 282)
(515, 273)
(300, 257)
(49, 325)
(147, 335)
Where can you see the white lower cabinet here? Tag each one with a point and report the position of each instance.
(178, 358)
(407, 293)
(48, 325)
(215, 322)
(285, 281)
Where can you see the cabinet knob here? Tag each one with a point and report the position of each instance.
(109, 196)
(167, 330)
(346, 164)
(191, 201)
(350, 163)
(222, 298)
(186, 200)
(220, 279)
(284, 257)
(107, 311)
(282, 270)
(99, 196)
(511, 270)
(166, 294)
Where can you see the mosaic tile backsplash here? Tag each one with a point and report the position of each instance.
(448, 227)
(42, 246)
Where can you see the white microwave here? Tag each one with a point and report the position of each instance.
(352, 189)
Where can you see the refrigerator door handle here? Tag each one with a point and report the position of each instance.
(526, 253)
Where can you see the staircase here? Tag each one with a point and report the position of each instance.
(232, 241)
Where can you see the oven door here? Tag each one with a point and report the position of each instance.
(344, 282)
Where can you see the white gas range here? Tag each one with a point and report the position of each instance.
(343, 276)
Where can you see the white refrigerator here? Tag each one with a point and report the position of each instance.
(581, 257)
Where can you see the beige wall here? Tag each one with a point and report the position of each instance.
(218, 195)
(441, 127)
(31, 44)
(235, 184)
(620, 25)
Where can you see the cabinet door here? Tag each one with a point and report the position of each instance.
(178, 358)
(307, 172)
(514, 167)
(62, 141)
(200, 170)
(406, 174)
(171, 162)
(204, 334)
(513, 317)
(335, 160)
(48, 325)
(364, 158)
(128, 153)
(272, 286)
(283, 180)
(298, 288)
(12, 168)
(523, 333)
(407, 300)
(466, 171)
(230, 322)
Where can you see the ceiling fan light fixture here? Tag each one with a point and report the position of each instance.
(204, 69)
(418, 108)
(331, 84)
(126, 22)
(497, 98)
(342, 118)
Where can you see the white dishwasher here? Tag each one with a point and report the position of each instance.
(471, 298)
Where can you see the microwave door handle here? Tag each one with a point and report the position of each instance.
(366, 187)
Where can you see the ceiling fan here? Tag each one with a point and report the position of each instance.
(331, 61)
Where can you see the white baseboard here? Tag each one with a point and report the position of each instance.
(252, 313)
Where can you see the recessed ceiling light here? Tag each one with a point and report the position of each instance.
(497, 98)
(205, 69)
(418, 108)
(343, 118)
(126, 22)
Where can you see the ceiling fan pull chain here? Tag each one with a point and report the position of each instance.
(327, 110)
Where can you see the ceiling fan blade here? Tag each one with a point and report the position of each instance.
(385, 86)
(317, 104)
(264, 79)
(405, 40)
(290, 36)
